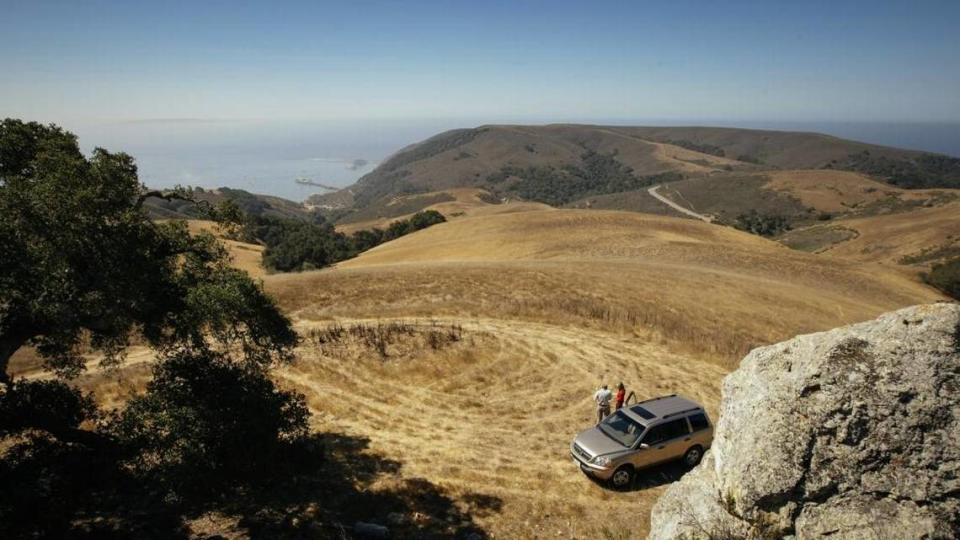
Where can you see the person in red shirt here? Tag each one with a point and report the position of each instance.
(621, 395)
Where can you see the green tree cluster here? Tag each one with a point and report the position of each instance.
(761, 223)
(294, 245)
(597, 174)
(83, 268)
(922, 171)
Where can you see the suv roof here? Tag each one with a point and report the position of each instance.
(654, 409)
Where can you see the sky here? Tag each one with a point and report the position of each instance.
(480, 61)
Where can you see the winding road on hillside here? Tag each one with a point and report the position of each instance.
(653, 192)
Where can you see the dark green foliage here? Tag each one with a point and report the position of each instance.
(597, 174)
(83, 263)
(427, 218)
(762, 224)
(205, 421)
(746, 158)
(703, 148)
(48, 405)
(208, 433)
(294, 246)
(923, 171)
(298, 245)
(946, 277)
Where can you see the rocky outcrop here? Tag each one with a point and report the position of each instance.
(852, 433)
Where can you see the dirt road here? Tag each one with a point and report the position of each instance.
(653, 192)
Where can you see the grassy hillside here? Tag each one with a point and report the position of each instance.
(565, 164)
(550, 303)
(611, 269)
(464, 356)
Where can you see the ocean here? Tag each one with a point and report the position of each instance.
(268, 156)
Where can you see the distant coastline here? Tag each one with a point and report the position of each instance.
(267, 157)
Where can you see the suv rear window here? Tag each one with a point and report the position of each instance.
(699, 421)
(665, 432)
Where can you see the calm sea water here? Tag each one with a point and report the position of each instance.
(266, 157)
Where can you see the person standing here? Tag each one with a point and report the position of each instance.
(602, 397)
(621, 395)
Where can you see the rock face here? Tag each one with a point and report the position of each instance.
(852, 433)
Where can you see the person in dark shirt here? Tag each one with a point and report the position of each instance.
(621, 396)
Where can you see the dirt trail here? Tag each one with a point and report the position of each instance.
(653, 192)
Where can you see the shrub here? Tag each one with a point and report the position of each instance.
(762, 224)
(205, 421)
(946, 277)
(48, 405)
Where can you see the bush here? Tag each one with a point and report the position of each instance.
(762, 224)
(205, 422)
(597, 174)
(946, 277)
(48, 405)
(294, 246)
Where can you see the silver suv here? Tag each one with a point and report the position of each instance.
(650, 432)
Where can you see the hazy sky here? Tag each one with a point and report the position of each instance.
(77, 61)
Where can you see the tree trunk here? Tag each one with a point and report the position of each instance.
(9, 344)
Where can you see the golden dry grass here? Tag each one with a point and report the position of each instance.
(467, 202)
(840, 191)
(551, 303)
(705, 288)
(494, 414)
(887, 239)
(556, 301)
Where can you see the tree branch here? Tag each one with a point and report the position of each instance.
(171, 196)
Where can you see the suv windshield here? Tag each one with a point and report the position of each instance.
(621, 428)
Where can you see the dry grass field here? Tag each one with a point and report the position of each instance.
(836, 191)
(490, 417)
(463, 202)
(505, 320)
(879, 223)
(889, 239)
(551, 303)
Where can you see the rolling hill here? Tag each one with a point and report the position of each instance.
(498, 325)
(463, 356)
(562, 164)
(551, 302)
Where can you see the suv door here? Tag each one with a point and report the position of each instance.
(662, 442)
(702, 430)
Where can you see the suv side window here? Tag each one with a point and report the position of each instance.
(667, 431)
(699, 421)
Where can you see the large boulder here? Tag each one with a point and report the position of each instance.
(851, 433)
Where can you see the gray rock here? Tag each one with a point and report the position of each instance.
(852, 433)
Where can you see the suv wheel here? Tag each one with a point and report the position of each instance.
(693, 456)
(623, 477)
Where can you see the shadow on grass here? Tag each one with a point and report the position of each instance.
(316, 489)
(651, 477)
